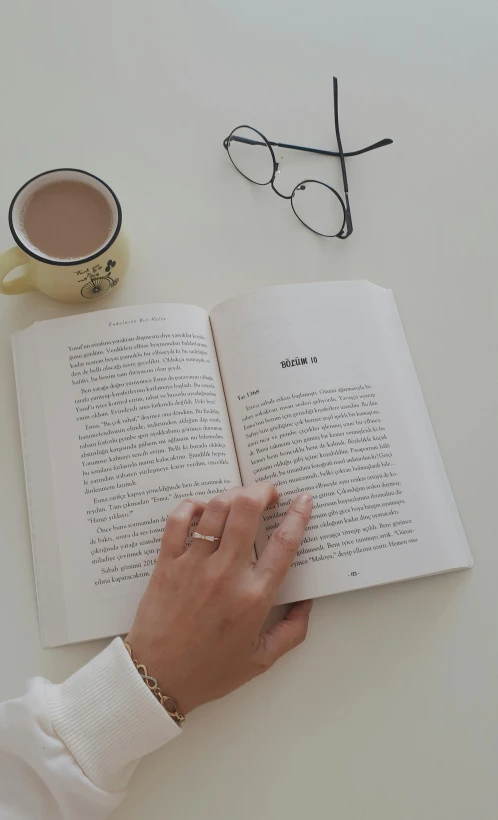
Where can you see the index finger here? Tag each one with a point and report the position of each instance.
(281, 549)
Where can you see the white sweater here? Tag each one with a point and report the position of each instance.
(67, 751)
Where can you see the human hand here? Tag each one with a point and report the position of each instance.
(198, 625)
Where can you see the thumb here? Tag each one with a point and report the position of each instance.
(286, 635)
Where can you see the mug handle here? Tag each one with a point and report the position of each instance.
(8, 261)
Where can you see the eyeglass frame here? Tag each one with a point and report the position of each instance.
(347, 219)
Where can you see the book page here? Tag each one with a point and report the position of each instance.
(323, 397)
(135, 420)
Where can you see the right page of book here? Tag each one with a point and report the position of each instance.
(323, 397)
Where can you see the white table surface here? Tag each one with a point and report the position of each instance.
(389, 710)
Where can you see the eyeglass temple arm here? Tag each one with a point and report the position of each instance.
(379, 144)
(348, 222)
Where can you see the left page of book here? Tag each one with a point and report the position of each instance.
(122, 415)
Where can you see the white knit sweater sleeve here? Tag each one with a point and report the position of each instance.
(67, 751)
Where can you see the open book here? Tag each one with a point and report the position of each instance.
(126, 411)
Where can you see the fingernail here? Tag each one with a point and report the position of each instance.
(310, 604)
(303, 502)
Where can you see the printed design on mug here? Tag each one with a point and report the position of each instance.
(99, 285)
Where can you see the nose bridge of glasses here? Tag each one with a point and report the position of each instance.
(278, 170)
(282, 196)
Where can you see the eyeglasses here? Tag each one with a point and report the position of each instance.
(317, 205)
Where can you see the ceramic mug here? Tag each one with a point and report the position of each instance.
(68, 280)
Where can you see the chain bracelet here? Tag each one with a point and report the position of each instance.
(166, 701)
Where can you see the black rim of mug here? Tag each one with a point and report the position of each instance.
(63, 262)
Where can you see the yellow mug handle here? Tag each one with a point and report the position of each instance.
(8, 261)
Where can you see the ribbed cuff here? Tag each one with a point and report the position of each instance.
(108, 719)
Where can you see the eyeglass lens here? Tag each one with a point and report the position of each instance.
(318, 207)
(251, 155)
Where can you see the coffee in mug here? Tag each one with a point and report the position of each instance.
(67, 220)
(67, 226)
